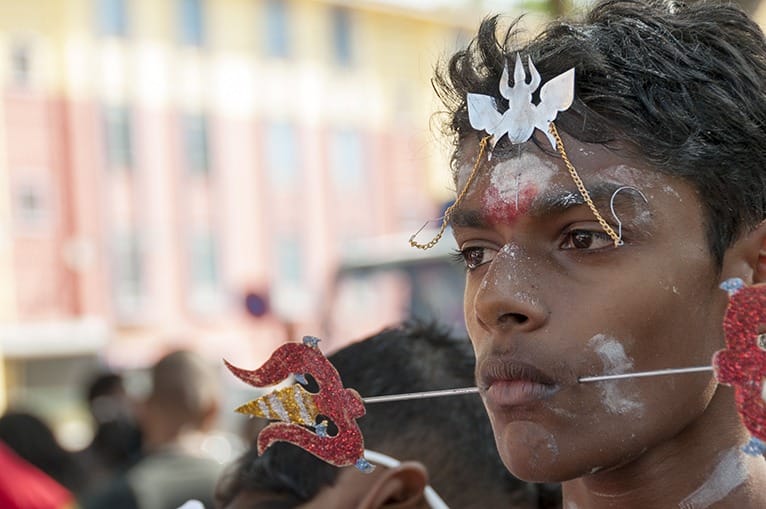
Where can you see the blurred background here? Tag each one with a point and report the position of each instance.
(216, 175)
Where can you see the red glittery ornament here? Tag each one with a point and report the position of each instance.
(743, 363)
(333, 401)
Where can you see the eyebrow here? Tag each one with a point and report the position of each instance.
(550, 204)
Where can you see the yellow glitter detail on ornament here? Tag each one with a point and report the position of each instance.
(291, 404)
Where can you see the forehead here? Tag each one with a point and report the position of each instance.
(534, 179)
(584, 156)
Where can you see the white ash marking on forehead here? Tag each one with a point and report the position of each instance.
(512, 176)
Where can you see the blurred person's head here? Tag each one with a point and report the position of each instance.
(106, 397)
(117, 438)
(184, 398)
(33, 440)
(445, 442)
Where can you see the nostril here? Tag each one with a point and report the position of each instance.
(513, 318)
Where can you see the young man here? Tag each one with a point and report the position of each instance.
(664, 127)
(444, 442)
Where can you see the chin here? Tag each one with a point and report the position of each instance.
(528, 450)
(527, 465)
(532, 453)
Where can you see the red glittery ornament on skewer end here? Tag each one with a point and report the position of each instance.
(742, 364)
(297, 410)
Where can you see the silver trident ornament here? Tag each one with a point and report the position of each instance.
(522, 117)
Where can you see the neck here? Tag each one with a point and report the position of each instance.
(701, 467)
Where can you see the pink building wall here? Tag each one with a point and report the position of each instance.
(65, 266)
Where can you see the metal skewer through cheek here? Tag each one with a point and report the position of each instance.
(642, 374)
(585, 379)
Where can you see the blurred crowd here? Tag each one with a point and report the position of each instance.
(152, 454)
(145, 453)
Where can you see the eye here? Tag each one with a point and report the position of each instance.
(474, 257)
(586, 240)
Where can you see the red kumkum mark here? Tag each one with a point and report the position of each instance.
(510, 207)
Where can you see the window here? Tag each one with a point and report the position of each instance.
(192, 22)
(289, 261)
(346, 159)
(119, 137)
(205, 278)
(112, 18)
(195, 143)
(277, 29)
(128, 273)
(21, 64)
(341, 36)
(281, 154)
(31, 207)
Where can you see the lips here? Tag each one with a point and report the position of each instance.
(507, 383)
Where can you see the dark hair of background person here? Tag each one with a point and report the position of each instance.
(104, 383)
(32, 439)
(450, 435)
(116, 443)
(117, 438)
(681, 85)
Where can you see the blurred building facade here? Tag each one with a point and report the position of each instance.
(162, 160)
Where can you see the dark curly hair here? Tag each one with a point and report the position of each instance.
(682, 86)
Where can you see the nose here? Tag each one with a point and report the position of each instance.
(508, 298)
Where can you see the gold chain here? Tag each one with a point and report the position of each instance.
(581, 187)
(572, 172)
(448, 212)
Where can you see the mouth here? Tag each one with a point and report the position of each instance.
(507, 383)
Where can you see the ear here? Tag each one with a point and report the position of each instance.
(398, 488)
(758, 240)
(746, 259)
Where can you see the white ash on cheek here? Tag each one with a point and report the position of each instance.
(669, 287)
(615, 362)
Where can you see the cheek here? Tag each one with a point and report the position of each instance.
(469, 298)
(618, 398)
(657, 329)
